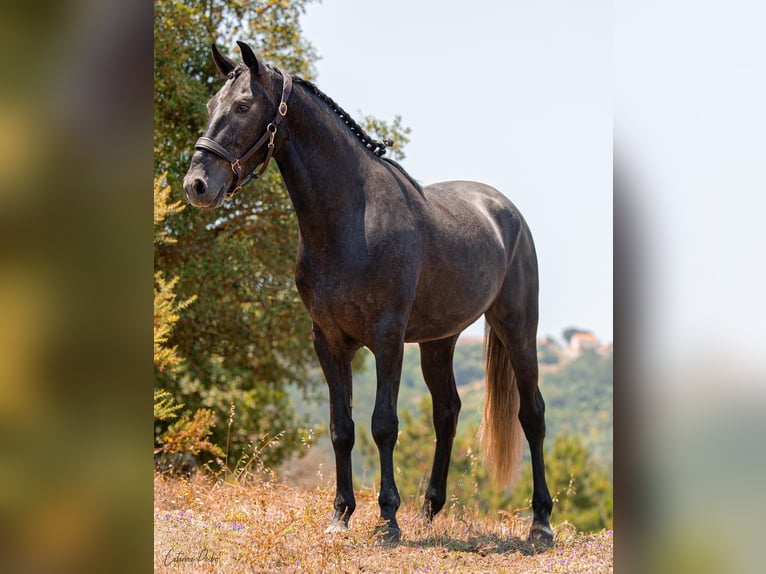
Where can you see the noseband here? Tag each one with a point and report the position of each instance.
(208, 144)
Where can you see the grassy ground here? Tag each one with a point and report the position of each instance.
(263, 526)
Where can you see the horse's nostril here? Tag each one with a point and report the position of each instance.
(199, 187)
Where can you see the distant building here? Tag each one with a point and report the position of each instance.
(582, 341)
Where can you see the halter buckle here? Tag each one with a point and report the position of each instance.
(272, 129)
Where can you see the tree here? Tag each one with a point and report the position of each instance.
(578, 400)
(187, 435)
(166, 306)
(247, 334)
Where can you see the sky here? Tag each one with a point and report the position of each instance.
(515, 95)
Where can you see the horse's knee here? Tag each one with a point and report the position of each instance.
(342, 435)
(385, 427)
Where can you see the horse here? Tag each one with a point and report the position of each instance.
(382, 261)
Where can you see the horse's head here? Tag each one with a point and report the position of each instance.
(240, 130)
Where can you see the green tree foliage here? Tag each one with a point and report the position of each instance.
(549, 352)
(247, 335)
(582, 490)
(189, 434)
(578, 400)
(395, 132)
(548, 356)
(166, 306)
(165, 406)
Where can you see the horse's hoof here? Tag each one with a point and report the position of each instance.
(336, 527)
(540, 536)
(387, 535)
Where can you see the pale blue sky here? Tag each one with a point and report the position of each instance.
(513, 94)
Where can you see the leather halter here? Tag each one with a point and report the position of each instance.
(205, 143)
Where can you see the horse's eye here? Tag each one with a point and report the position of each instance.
(242, 108)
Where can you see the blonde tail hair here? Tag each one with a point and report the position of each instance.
(501, 430)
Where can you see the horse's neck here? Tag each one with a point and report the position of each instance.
(321, 163)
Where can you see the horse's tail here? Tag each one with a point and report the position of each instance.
(501, 430)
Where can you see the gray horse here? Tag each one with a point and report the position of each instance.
(383, 261)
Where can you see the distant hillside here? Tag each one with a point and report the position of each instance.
(577, 393)
(578, 400)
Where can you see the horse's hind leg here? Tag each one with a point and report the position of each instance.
(513, 318)
(532, 418)
(336, 365)
(436, 363)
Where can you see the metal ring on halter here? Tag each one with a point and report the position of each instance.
(272, 130)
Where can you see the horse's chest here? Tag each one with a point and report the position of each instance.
(326, 290)
(348, 297)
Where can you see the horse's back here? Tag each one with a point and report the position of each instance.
(471, 235)
(475, 208)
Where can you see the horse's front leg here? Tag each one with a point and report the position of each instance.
(336, 365)
(389, 349)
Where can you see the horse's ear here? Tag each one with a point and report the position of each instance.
(225, 65)
(248, 57)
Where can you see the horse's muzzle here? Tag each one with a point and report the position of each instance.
(199, 194)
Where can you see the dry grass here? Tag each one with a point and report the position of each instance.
(263, 526)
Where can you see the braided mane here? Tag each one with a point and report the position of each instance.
(378, 147)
